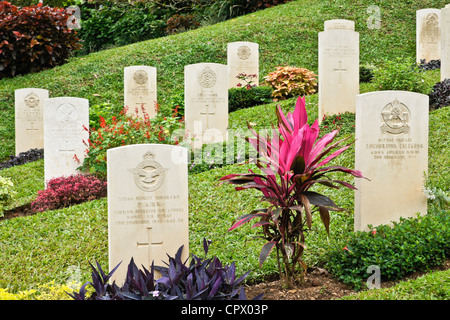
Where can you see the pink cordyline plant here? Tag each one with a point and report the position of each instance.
(291, 160)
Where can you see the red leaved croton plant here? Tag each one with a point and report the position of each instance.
(291, 161)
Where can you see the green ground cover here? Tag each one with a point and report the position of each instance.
(47, 246)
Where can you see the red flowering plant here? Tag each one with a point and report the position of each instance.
(126, 129)
(63, 192)
(291, 160)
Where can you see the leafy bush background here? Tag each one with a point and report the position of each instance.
(410, 245)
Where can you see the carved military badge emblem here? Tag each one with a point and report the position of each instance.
(148, 175)
(396, 117)
(207, 78)
(66, 113)
(244, 52)
(32, 101)
(140, 77)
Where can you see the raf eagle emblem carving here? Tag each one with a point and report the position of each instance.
(148, 175)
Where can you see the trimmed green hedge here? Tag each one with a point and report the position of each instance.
(241, 98)
(413, 244)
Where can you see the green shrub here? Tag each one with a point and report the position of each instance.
(366, 73)
(104, 110)
(410, 245)
(6, 193)
(174, 101)
(227, 9)
(137, 24)
(401, 74)
(117, 25)
(96, 31)
(34, 38)
(240, 98)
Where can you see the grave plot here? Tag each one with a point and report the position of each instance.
(140, 90)
(243, 57)
(29, 125)
(206, 102)
(338, 68)
(65, 136)
(392, 150)
(428, 35)
(147, 205)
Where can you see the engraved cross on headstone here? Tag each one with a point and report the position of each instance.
(207, 112)
(66, 150)
(32, 127)
(152, 244)
(340, 70)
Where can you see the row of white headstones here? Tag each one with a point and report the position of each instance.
(147, 184)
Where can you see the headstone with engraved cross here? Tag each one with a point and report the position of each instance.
(338, 67)
(29, 110)
(428, 34)
(206, 102)
(140, 90)
(66, 120)
(147, 205)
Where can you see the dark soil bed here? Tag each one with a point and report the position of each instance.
(24, 210)
(318, 285)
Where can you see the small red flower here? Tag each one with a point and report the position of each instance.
(102, 122)
(76, 159)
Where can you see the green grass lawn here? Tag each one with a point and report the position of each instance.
(47, 246)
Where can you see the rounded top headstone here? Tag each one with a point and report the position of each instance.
(339, 24)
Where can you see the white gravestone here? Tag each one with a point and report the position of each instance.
(339, 24)
(428, 35)
(29, 110)
(147, 205)
(392, 151)
(206, 102)
(338, 68)
(140, 90)
(65, 122)
(243, 57)
(445, 42)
